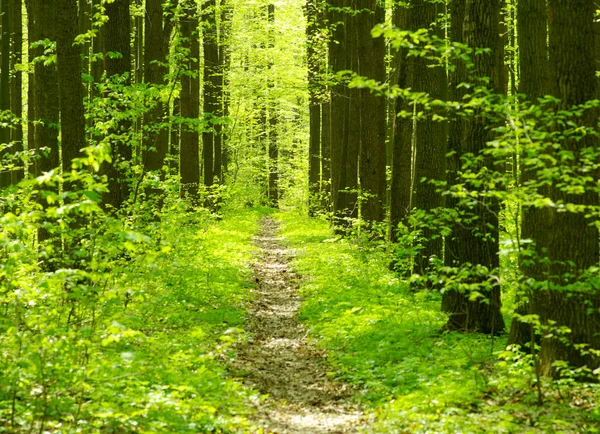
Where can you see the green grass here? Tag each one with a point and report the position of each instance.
(387, 342)
(153, 357)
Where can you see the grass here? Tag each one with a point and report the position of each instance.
(387, 342)
(148, 354)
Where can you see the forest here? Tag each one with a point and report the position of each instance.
(299, 216)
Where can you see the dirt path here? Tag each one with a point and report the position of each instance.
(280, 362)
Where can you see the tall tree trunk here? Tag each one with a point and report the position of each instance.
(347, 204)
(477, 238)
(5, 10)
(70, 86)
(314, 148)
(371, 64)
(572, 245)
(224, 30)
(430, 134)
(155, 136)
(225, 61)
(85, 25)
(189, 153)
(42, 20)
(211, 62)
(118, 33)
(273, 145)
(31, 53)
(325, 189)
(97, 50)
(532, 25)
(16, 98)
(339, 101)
(401, 182)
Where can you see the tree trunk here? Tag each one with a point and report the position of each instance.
(117, 35)
(532, 24)
(189, 153)
(225, 61)
(401, 182)
(371, 64)
(477, 245)
(430, 135)
(42, 20)
(70, 86)
(572, 245)
(339, 100)
(5, 10)
(211, 66)
(155, 139)
(16, 101)
(273, 145)
(224, 30)
(314, 148)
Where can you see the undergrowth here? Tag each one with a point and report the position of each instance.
(151, 357)
(387, 341)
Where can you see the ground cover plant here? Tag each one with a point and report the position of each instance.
(388, 342)
(143, 353)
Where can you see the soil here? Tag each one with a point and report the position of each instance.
(281, 362)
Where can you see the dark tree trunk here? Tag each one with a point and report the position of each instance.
(211, 99)
(70, 86)
(401, 182)
(371, 64)
(347, 203)
(97, 48)
(273, 192)
(16, 97)
(574, 238)
(225, 61)
(224, 30)
(189, 153)
(532, 23)
(84, 24)
(314, 148)
(42, 20)
(155, 136)
(175, 135)
(477, 239)
(117, 35)
(430, 135)
(325, 189)
(339, 101)
(5, 52)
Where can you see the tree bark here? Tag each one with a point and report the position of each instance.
(476, 238)
(117, 40)
(401, 182)
(532, 24)
(70, 86)
(16, 98)
(155, 136)
(371, 64)
(5, 52)
(339, 101)
(225, 61)
(314, 148)
(572, 246)
(189, 153)
(211, 100)
(273, 145)
(430, 135)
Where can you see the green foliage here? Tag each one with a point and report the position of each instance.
(120, 326)
(386, 341)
